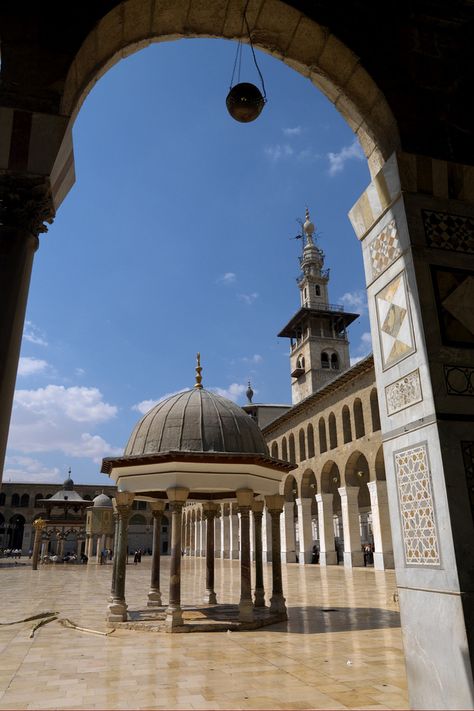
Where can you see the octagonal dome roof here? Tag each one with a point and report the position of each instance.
(196, 420)
(102, 500)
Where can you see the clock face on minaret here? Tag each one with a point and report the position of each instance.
(319, 347)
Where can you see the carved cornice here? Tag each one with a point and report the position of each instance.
(26, 203)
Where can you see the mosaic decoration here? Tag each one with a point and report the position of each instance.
(454, 294)
(384, 249)
(452, 232)
(459, 379)
(403, 392)
(395, 330)
(468, 457)
(420, 535)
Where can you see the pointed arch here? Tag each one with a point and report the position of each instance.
(275, 450)
(291, 445)
(302, 445)
(346, 425)
(374, 410)
(358, 418)
(284, 450)
(323, 444)
(310, 438)
(332, 431)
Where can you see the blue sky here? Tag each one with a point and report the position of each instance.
(176, 238)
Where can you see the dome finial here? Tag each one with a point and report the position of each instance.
(308, 228)
(249, 393)
(198, 372)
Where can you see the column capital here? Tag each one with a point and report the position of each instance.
(324, 498)
(257, 508)
(244, 498)
(275, 503)
(26, 203)
(348, 492)
(157, 508)
(209, 510)
(177, 495)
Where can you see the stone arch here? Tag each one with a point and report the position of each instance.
(330, 483)
(346, 425)
(279, 30)
(357, 473)
(275, 450)
(334, 361)
(332, 431)
(380, 465)
(291, 446)
(25, 500)
(302, 445)
(15, 500)
(290, 488)
(325, 360)
(17, 526)
(309, 485)
(374, 410)
(323, 444)
(37, 499)
(138, 520)
(359, 424)
(284, 450)
(310, 438)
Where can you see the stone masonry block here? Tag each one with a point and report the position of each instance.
(279, 20)
(337, 61)
(169, 17)
(308, 42)
(137, 20)
(233, 25)
(87, 58)
(205, 17)
(110, 34)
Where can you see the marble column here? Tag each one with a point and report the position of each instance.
(353, 554)
(115, 548)
(244, 502)
(209, 511)
(288, 538)
(327, 551)
(154, 594)
(234, 533)
(39, 526)
(100, 548)
(267, 536)
(25, 205)
(200, 538)
(225, 530)
(383, 554)
(61, 542)
(305, 530)
(217, 522)
(259, 594)
(117, 608)
(177, 497)
(275, 505)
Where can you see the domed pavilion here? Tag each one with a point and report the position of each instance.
(197, 446)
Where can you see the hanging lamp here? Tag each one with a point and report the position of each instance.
(245, 101)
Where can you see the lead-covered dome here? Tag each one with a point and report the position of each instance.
(196, 420)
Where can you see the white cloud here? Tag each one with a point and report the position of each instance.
(26, 469)
(364, 347)
(355, 299)
(296, 131)
(248, 298)
(366, 339)
(227, 278)
(278, 152)
(233, 392)
(254, 360)
(31, 366)
(54, 418)
(337, 161)
(34, 335)
(146, 405)
(79, 372)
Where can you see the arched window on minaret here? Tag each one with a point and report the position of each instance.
(334, 362)
(318, 290)
(324, 360)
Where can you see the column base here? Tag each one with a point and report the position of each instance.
(267, 556)
(174, 617)
(288, 557)
(210, 597)
(277, 604)
(328, 558)
(227, 555)
(384, 561)
(154, 599)
(259, 597)
(353, 559)
(117, 611)
(234, 555)
(305, 557)
(246, 611)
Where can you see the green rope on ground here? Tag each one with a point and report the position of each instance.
(29, 619)
(41, 623)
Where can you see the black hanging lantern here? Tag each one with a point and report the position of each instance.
(245, 101)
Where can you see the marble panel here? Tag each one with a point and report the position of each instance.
(403, 392)
(384, 249)
(394, 322)
(419, 529)
(459, 379)
(450, 232)
(454, 295)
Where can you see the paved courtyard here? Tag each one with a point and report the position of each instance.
(349, 656)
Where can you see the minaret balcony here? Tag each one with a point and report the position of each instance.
(297, 372)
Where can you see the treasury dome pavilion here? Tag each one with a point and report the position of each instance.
(197, 446)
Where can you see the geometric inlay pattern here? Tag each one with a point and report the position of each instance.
(468, 456)
(454, 294)
(447, 231)
(420, 535)
(459, 379)
(384, 249)
(403, 392)
(396, 336)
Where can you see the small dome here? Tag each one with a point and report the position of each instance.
(196, 421)
(102, 500)
(68, 484)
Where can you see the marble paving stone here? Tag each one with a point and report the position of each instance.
(299, 664)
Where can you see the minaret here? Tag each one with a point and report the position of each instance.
(319, 348)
